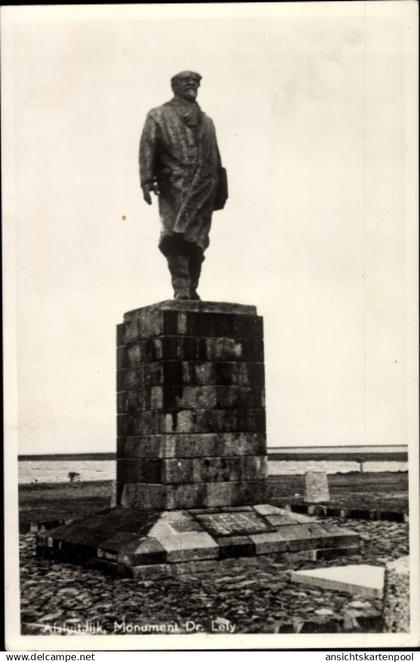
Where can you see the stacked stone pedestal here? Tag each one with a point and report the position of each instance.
(191, 410)
(191, 450)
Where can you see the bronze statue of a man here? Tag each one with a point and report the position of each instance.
(180, 162)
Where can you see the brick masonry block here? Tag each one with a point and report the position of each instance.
(151, 323)
(191, 421)
(190, 348)
(139, 471)
(234, 494)
(193, 445)
(219, 324)
(165, 497)
(156, 496)
(190, 397)
(191, 470)
(191, 373)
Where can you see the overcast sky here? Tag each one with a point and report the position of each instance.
(312, 106)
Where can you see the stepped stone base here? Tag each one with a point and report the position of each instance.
(191, 451)
(133, 541)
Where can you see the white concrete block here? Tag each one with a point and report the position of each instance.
(355, 579)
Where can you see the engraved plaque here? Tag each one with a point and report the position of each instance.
(233, 524)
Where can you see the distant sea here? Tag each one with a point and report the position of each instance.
(45, 471)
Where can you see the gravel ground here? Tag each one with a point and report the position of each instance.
(238, 595)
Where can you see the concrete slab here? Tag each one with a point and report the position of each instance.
(367, 580)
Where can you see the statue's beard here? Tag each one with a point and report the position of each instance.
(190, 94)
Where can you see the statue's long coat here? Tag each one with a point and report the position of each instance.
(178, 148)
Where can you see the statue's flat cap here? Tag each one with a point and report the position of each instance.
(186, 74)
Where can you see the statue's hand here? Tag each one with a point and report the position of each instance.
(147, 189)
(146, 193)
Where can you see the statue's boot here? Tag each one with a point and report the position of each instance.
(195, 262)
(180, 275)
